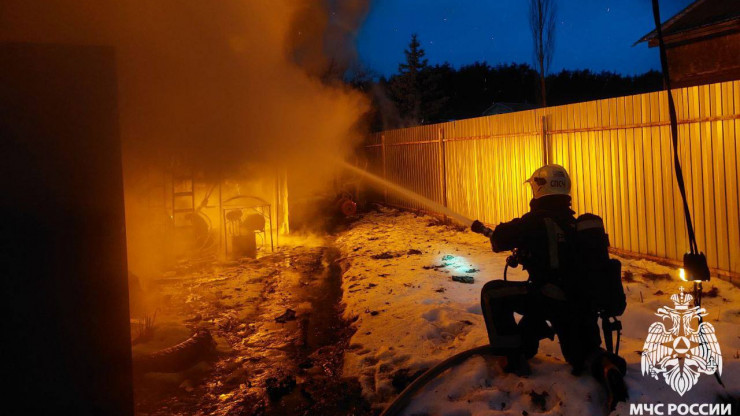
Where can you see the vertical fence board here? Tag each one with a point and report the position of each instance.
(731, 154)
(694, 160)
(735, 129)
(707, 176)
(716, 134)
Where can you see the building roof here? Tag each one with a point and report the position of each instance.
(502, 108)
(706, 16)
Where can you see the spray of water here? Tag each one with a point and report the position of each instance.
(406, 194)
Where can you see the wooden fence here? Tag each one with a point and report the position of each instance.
(619, 156)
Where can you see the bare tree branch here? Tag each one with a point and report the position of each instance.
(542, 24)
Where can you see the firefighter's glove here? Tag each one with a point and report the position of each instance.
(478, 227)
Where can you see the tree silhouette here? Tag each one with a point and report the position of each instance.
(422, 94)
(406, 86)
(542, 24)
(415, 61)
(416, 89)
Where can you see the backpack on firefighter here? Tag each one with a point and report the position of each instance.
(599, 277)
(589, 273)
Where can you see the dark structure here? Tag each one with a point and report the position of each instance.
(702, 43)
(66, 340)
(503, 108)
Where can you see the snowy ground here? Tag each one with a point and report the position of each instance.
(410, 315)
(280, 339)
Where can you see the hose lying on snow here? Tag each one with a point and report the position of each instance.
(397, 406)
(178, 357)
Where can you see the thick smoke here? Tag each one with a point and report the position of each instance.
(322, 39)
(226, 83)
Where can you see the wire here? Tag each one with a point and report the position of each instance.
(693, 248)
(674, 129)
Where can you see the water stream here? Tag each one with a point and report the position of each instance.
(408, 195)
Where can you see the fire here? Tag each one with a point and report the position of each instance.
(239, 91)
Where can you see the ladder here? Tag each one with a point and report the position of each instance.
(183, 206)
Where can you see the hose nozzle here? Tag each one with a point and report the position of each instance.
(480, 228)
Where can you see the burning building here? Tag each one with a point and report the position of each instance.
(216, 116)
(157, 157)
(210, 107)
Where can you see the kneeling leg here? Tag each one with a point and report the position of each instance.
(499, 301)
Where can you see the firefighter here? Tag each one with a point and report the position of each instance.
(542, 241)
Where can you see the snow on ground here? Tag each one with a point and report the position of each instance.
(410, 315)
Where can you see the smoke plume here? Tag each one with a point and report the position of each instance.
(228, 83)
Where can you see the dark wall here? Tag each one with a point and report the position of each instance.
(704, 61)
(66, 337)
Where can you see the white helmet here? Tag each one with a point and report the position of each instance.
(550, 180)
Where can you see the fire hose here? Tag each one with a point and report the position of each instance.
(177, 357)
(400, 403)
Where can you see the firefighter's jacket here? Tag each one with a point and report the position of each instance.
(541, 237)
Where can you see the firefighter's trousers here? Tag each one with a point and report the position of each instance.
(576, 327)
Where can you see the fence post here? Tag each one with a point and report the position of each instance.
(545, 144)
(442, 166)
(385, 175)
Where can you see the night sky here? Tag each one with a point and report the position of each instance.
(590, 34)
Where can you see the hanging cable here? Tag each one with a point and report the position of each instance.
(695, 262)
(674, 129)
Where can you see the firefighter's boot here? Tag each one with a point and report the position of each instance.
(611, 373)
(517, 363)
